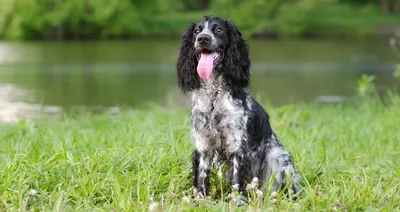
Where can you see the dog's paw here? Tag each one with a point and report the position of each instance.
(240, 201)
(199, 195)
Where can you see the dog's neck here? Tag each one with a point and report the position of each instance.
(214, 87)
(214, 84)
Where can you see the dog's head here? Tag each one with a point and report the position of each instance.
(213, 46)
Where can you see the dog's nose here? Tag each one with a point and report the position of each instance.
(204, 39)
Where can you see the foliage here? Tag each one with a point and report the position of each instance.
(396, 73)
(366, 85)
(394, 44)
(48, 19)
(358, 2)
(77, 18)
(140, 161)
(280, 16)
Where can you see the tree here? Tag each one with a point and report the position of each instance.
(385, 6)
(390, 6)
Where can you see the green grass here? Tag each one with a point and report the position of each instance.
(347, 154)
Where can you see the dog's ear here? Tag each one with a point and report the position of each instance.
(237, 61)
(188, 79)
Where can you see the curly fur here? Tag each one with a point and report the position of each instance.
(237, 63)
(188, 79)
(229, 126)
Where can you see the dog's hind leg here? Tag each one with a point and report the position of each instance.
(278, 164)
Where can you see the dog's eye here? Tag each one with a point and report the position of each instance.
(218, 30)
(196, 31)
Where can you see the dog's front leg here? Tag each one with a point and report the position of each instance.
(201, 161)
(241, 170)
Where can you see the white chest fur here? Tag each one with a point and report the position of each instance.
(218, 120)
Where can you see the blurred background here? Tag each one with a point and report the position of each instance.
(99, 55)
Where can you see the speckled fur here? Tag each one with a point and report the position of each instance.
(229, 127)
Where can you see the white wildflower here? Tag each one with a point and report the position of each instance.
(33, 192)
(219, 174)
(255, 181)
(203, 175)
(153, 207)
(250, 186)
(186, 199)
(259, 193)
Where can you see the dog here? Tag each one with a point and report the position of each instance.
(229, 126)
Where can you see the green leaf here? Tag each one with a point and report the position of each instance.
(396, 73)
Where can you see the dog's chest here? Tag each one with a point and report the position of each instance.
(216, 116)
(218, 111)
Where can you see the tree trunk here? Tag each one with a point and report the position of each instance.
(396, 6)
(385, 6)
(203, 4)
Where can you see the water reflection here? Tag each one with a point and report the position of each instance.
(15, 105)
(107, 75)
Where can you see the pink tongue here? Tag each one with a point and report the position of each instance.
(205, 66)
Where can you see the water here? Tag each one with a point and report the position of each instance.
(104, 74)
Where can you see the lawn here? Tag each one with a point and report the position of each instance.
(139, 160)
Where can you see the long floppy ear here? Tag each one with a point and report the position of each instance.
(188, 80)
(237, 61)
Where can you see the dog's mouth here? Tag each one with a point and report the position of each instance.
(207, 61)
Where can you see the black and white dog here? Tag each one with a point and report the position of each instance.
(228, 125)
